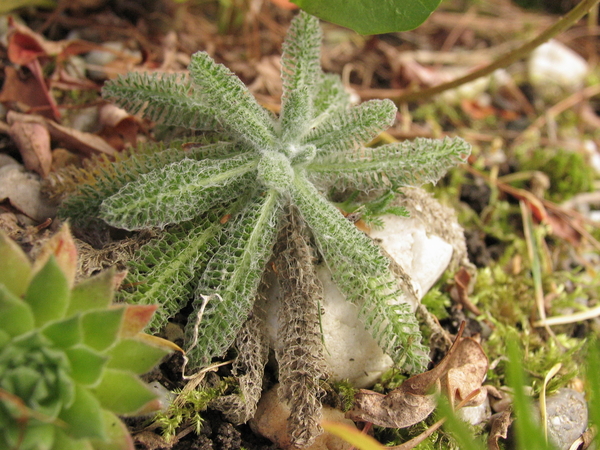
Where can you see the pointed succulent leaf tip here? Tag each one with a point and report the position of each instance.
(15, 268)
(135, 319)
(48, 294)
(122, 392)
(63, 247)
(96, 292)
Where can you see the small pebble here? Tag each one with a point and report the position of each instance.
(567, 417)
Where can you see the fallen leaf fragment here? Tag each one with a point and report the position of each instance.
(23, 190)
(459, 375)
(117, 120)
(25, 91)
(499, 424)
(33, 141)
(71, 138)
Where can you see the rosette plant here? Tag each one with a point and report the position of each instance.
(69, 358)
(221, 204)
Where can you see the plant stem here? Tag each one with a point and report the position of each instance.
(505, 60)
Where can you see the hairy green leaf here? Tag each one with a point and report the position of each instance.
(346, 129)
(165, 270)
(233, 104)
(363, 275)
(226, 291)
(300, 69)
(178, 192)
(106, 178)
(408, 163)
(165, 98)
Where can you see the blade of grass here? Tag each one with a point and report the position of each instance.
(529, 434)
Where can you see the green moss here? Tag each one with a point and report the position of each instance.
(437, 302)
(569, 172)
(345, 391)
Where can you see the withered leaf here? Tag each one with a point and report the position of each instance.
(500, 423)
(460, 372)
(33, 141)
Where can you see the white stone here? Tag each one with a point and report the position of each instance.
(350, 351)
(556, 70)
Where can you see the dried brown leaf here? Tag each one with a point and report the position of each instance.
(499, 423)
(33, 141)
(460, 373)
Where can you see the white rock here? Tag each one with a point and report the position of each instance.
(350, 351)
(556, 70)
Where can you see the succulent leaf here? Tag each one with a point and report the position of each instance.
(123, 356)
(15, 268)
(101, 327)
(96, 292)
(64, 333)
(135, 319)
(16, 316)
(122, 392)
(62, 247)
(87, 365)
(48, 293)
(84, 416)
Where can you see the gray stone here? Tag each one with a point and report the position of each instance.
(567, 417)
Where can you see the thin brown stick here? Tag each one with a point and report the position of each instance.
(505, 60)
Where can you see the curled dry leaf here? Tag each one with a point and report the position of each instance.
(117, 120)
(71, 138)
(33, 141)
(460, 373)
(499, 429)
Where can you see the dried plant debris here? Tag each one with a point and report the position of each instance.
(300, 351)
(459, 375)
(248, 370)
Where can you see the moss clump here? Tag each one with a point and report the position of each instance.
(569, 172)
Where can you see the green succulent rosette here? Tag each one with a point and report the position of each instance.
(69, 358)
